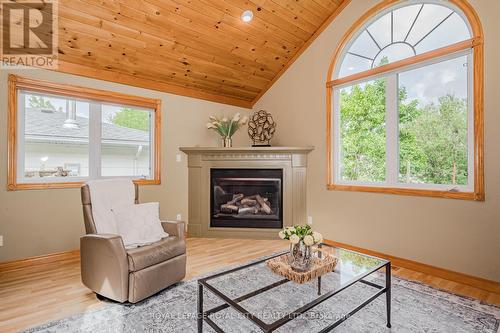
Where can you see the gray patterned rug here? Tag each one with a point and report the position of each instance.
(416, 308)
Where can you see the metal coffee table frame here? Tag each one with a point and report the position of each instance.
(205, 315)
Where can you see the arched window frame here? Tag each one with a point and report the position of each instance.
(476, 44)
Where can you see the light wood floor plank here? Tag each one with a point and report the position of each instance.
(39, 293)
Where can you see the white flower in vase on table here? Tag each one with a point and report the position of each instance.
(294, 239)
(301, 241)
(317, 237)
(308, 240)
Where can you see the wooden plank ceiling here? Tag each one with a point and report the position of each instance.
(199, 48)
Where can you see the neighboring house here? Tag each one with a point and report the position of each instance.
(55, 140)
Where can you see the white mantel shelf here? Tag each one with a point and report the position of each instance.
(274, 149)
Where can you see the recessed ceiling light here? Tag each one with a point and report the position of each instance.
(247, 16)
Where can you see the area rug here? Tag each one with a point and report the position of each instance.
(415, 308)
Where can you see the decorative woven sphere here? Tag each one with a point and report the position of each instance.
(261, 127)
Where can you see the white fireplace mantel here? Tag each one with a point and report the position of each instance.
(292, 160)
(188, 150)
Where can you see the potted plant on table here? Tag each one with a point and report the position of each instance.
(226, 127)
(301, 238)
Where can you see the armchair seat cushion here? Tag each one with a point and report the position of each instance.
(149, 255)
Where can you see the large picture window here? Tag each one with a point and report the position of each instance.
(61, 136)
(405, 102)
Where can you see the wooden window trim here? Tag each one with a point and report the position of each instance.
(476, 43)
(16, 83)
(415, 60)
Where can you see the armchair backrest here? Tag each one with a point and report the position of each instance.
(87, 208)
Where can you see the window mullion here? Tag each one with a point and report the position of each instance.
(470, 121)
(95, 140)
(152, 144)
(336, 143)
(391, 129)
(21, 116)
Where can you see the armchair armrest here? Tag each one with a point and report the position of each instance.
(174, 228)
(104, 265)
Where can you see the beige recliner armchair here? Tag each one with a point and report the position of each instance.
(131, 275)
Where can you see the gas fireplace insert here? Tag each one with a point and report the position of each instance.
(246, 198)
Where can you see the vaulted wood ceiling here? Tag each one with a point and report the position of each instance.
(198, 48)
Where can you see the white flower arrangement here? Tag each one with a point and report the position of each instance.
(301, 233)
(294, 239)
(225, 127)
(308, 240)
(318, 238)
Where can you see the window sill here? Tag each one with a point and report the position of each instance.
(476, 196)
(61, 185)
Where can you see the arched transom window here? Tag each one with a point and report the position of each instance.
(404, 102)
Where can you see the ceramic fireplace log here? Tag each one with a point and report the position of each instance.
(263, 205)
(228, 208)
(248, 210)
(236, 198)
(248, 202)
(254, 197)
(245, 205)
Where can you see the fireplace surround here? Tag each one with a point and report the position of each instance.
(270, 180)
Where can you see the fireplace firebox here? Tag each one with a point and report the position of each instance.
(246, 198)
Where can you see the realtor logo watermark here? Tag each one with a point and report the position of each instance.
(29, 34)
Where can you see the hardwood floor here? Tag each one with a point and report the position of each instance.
(39, 293)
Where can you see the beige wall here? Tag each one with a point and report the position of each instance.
(459, 235)
(38, 222)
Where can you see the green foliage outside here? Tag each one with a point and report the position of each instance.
(131, 118)
(433, 145)
(40, 102)
(432, 138)
(362, 131)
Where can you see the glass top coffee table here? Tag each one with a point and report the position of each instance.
(258, 297)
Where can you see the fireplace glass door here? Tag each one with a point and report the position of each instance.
(246, 198)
